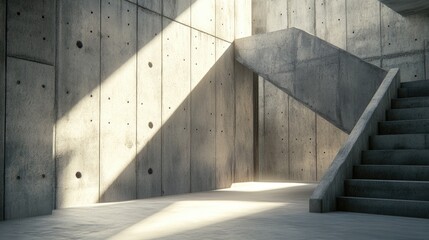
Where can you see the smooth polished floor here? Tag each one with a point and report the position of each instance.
(244, 211)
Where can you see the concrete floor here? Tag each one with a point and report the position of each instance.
(245, 211)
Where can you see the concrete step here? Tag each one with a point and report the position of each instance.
(404, 126)
(414, 102)
(391, 189)
(391, 172)
(415, 84)
(395, 207)
(396, 157)
(399, 141)
(407, 114)
(413, 92)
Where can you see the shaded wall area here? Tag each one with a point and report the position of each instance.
(367, 29)
(118, 100)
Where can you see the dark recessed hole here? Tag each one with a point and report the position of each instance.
(92, 12)
(108, 98)
(18, 177)
(150, 125)
(108, 122)
(90, 95)
(43, 86)
(415, 75)
(79, 44)
(415, 39)
(128, 43)
(128, 10)
(128, 101)
(128, 123)
(67, 92)
(149, 64)
(18, 13)
(43, 175)
(67, 23)
(150, 171)
(108, 16)
(43, 16)
(44, 39)
(78, 175)
(90, 31)
(18, 82)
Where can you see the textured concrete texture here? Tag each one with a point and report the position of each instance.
(366, 28)
(303, 66)
(408, 7)
(331, 186)
(245, 211)
(125, 119)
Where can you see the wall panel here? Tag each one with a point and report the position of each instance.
(225, 122)
(149, 104)
(203, 112)
(203, 15)
(77, 128)
(363, 28)
(331, 21)
(412, 66)
(302, 142)
(402, 34)
(243, 18)
(275, 163)
(153, 5)
(118, 101)
(244, 144)
(179, 10)
(2, 99)
(225, 20)
(29, 166)
(175, 108)
(31, 30)
(329, 141)
(301, 14)
(276, 15)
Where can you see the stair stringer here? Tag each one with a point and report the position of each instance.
(331, 186)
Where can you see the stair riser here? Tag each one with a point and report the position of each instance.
(396, 157)
(384, 207)
(408, 114)
(413, 92)
(412, 173)
(410, 103)
(415, 84)
(404, 127)
(387, 189)
(404, 141)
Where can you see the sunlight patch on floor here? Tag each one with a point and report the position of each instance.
(188, 215)
(261, 186)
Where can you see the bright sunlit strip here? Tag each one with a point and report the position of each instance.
(260, 186)
(189, 215)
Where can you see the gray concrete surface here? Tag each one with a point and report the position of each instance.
(331, 186)
(118, 94)
(303, 66)
(2, 98)
(408, 7)
(246, 211)
(29, 165)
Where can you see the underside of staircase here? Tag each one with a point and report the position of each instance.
(393, 177)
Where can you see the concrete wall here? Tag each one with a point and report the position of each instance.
(118, 100)
(2, 99)
(365, 28)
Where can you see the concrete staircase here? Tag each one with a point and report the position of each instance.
(393, 178)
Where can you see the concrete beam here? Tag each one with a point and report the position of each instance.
(407, 7)
(330, 81)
